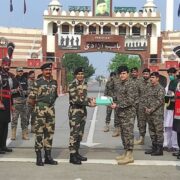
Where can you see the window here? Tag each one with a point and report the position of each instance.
(122, 30)
(106, 30)
(136, 31)
(65, 29)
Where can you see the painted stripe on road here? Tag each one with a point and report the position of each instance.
(100, 161)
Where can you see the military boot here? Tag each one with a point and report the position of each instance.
(153, 149)
(48, 158)
(2, 152)
(116, 132)
(73, 159)
(25, 134)
(121, 156)
(140, 141)
(39, 161)
(127, 159)
(178, 157)
(158, 152)
(106, 128)
(81, 158)
(177, 153)
(13, 134)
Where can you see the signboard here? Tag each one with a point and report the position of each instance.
(69, 41)
(170, 64)
(80, 8)
(124, 9)
(154, 68)
(101, 45)
(102, 7)
(33, 62)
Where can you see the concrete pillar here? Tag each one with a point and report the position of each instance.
(130, 32)
(169, 15)
(87, 30)
(72, 29)
(145, 31)
(101, 29)
(97, 29)
(116, 30)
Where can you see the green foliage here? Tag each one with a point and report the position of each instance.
(73, 61)
(124, 59)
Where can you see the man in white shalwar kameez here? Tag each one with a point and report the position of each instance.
(170, 136)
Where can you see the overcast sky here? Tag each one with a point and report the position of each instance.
(34, 17)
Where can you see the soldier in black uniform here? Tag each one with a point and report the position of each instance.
(43, 96)
(6, 84)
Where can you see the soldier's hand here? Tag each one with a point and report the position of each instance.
(1, 105)
(12, 108)
(32, 102)
(147, 110)
(92, 102)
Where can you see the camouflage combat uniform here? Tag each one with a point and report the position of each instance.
(126, 112)
(143, 90)
(44, 93)
(30, 108)
(77, 113)
(19, 101)
(135, 82)
(155, 102)
(109, 91)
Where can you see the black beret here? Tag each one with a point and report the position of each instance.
(101, 1)
(156, 74)
(172, 70)
(146, 70)
(46, 65)
(122, 69)
(79, 69)
(112, 74)
(134, 69)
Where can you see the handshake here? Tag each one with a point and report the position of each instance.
(92, 102)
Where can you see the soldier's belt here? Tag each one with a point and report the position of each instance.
(76, 106)
(44, 104)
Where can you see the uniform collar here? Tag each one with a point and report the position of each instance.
(77, 82)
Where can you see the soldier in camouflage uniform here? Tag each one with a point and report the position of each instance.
(43, 96)
(144, 84)
(109, 91)
(126, 113)
(30, 108)
(20, 94)
(135, 80)
(154, 109)
(78, 101)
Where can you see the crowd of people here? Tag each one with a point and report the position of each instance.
(143, 98)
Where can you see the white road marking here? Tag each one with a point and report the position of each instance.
(89, 141)
(100, 161)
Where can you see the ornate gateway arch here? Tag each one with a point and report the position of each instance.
(101, 28)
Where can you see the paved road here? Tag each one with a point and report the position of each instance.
(101, 149)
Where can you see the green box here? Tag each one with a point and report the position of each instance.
(104, 101)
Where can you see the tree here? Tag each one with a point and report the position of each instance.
(123, 59)
(73, 61)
